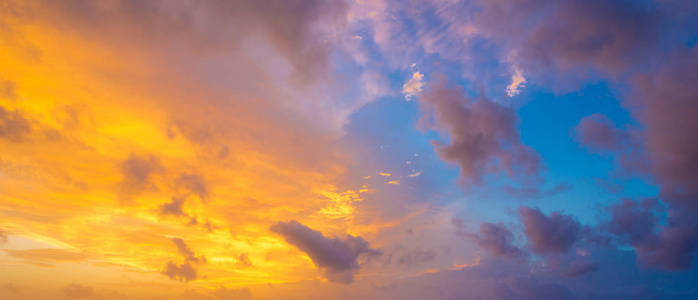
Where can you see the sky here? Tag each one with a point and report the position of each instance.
(348, 149)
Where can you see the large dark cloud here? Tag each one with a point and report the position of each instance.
(483, 134)
(666, 101)
(610, 36)
(496, 239)
(338, 258)
(555, 233)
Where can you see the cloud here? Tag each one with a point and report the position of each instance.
(194, 184)
(633, 221)
(8, 89)
(173, 208)
(14, 127)
(137, 172)
(665, 102)
(608, 35)
(243, 260)
(77, 291)
(188, 254)
(518, 81)
(183, 272)
(483, 134)
(581, 269)
(600, 134)
(497, 240)
(549, 234)
(337, 257)
(413, 86)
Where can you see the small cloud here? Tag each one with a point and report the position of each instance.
(14, 126)
(184, 272)
(518, 81)
(137, 172)
(395, 182)
(173, 208)
(555, 233)
(367, 177)
(415, 174)
(337, 257)
(413, 86)
(244, 260)
(188, 254)
(8, 89)
(193, 183)
(384, 174)
(77, 291)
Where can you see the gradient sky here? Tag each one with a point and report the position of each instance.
(348, 149)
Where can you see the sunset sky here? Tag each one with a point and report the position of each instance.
(348, 149)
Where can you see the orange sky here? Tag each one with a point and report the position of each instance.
(108, 128)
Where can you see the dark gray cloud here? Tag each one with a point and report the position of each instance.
(497, 240)
(338, 258)
(549, 234)
(77, 291)
(14, 126)
(483, 134)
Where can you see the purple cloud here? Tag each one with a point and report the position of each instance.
(337, 257)
(483, 134)
(496, 239)
(600, 134)
(549, 234)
